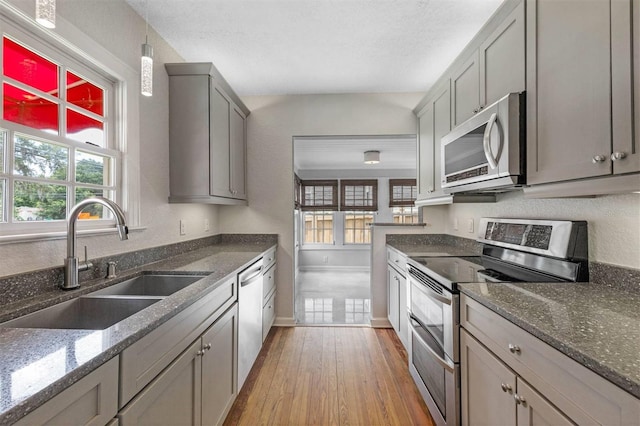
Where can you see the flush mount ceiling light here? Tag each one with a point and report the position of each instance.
(46, 13)
(146, 63)
(371, 157)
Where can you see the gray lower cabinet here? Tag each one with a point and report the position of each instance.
(393, 298)
(207, 137)
(582, 94)
(397, 296)
(492, 394)
(93, 400)
(197, 388)
(510, 377)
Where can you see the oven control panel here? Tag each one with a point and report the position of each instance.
(564, 239)
(535, 236)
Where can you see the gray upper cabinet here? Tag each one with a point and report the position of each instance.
(502, 59)
(465, 83)
(207, 137)
(582, 100)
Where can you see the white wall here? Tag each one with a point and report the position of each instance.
(273, 123)
(614, 221)
(115, 26)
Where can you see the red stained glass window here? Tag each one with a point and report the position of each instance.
(84, 94)
(28, 109)
(29, 68)
(84, 129)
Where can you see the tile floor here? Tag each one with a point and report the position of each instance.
(333, 297)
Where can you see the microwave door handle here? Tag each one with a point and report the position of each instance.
(486, 141)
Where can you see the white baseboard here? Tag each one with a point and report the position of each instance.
(284, 322)
(334, 268)
(380, 323)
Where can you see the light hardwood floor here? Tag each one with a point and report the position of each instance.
(330, 376)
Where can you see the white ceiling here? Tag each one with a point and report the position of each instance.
(320, 46)
(396, 153)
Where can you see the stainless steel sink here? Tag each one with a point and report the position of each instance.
(86, 313)
(150, 285)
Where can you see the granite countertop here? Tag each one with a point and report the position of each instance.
(37, 364)
(436, 250)
(597, 325)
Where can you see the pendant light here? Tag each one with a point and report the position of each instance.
(46, 13)
(146, 62)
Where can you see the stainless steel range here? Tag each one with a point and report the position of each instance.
(514, 250)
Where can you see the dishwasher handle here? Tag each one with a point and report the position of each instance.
(249, 276)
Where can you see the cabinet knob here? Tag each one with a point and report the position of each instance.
(520, 399)
(617, 156)
(207, 347)
(506, 387)
(598, 159)
(514, 349)
(475, 110)
(200, 353)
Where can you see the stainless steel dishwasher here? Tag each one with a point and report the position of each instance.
(249, 319)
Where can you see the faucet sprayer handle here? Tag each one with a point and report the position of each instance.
(86, 264)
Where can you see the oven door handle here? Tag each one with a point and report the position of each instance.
(432, 294)
(443, 363)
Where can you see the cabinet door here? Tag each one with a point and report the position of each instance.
(426, 184)
(465, 89)
(441, 126)
(393, 298)
(502, 59)
(173, 398)
(487, 385)
(219, 367)
(625, 68)
(533, 410)
(219, 172)
(568, 90)
(238, 154)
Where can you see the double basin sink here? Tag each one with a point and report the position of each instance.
(103, 308)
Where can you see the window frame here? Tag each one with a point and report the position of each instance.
(123, 108)
(303, 229)
(402, 202)
(305, 205)
(366, 228)
(344, 206)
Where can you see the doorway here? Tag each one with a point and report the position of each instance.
(338, 197)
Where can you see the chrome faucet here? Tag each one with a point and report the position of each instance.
(71, 264)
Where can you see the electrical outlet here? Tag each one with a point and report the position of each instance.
(183, 227)
(455, 223)
(470, 226)
(206, 225)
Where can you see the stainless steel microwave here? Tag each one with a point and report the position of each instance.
(487, 152)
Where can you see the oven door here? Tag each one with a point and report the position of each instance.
(436, 375)
(437, 311)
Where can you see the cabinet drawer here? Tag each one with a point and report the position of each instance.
(91, 401)
(146, 358)
(269, 258)
(397, 259)
(269, 283)
(581, 394)
(268, 315)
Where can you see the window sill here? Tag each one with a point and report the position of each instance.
(362, 247)
(61, 235)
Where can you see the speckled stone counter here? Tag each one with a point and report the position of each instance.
(597, 325)
(37, 364)
(433, 245)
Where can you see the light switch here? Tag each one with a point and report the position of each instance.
(470, 226)
(183, 227)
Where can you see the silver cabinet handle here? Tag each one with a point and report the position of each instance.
(520, 399)
(598, 159)
(617, 156)
(200, 353)
(514, 349)
(207, 347)
(506, 387)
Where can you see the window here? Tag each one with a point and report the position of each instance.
(402, 197)
(58, 140)
(318, 227)
(356, 227)
(319, 195)
(359, 195)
